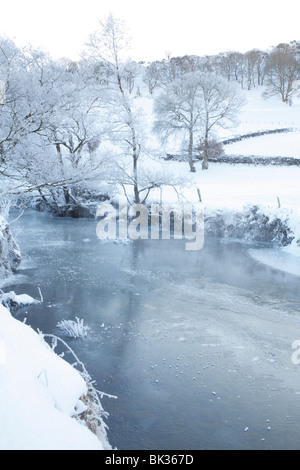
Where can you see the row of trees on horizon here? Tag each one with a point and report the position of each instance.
(277, 68)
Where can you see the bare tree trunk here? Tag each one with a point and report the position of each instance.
(190, 152)
(135, 184)
(66, 195)
(205, 164)
(60, 159)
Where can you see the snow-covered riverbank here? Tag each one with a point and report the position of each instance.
(40, 394)
(244, 202)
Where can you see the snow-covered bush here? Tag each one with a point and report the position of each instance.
(12, 301)
(213, 149)
(253, 223)
(73, 329)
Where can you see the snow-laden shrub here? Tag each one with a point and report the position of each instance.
(253, 223)
(13, 301)
(73, 329)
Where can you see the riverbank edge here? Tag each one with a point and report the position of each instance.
(94, 433)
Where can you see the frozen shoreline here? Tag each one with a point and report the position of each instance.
(42, 397)
(40, 394)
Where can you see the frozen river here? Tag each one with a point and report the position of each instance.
(197, 346)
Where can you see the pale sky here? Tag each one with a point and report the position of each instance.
(156, 26)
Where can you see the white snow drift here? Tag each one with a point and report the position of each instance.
(40, 394)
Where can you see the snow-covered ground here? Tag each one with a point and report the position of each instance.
(260, 113)
(272, 145)
(40, 394)
(225, 186)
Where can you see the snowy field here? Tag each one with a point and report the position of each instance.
(226, 186)
(260, 113)
(276, 145)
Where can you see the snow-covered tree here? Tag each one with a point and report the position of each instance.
(221, 102)
(108, 45)
(195, 105)
(178, 110)
(51, 126)
(132, 71)
(282, 70)
(16, 119)
(152, 76)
